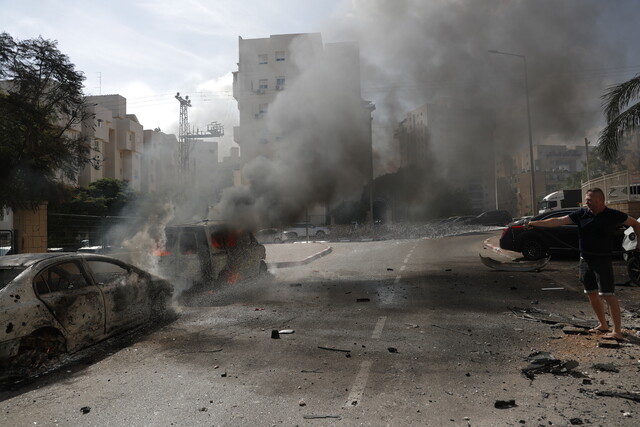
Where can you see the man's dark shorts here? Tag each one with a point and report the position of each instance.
(596, 275)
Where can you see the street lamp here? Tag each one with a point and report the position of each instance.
(526, 90)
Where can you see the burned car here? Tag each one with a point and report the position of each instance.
(54, 303)
(200, 256)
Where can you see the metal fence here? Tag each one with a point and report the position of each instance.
(6, 242)
(70, 232)
(617, 187)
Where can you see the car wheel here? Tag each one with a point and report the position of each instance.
(277, 240)
(320, 234)
(293, 235)
(633, 268)
(533, 249)
(40, 348)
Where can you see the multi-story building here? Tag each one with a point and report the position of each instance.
(268, 68)
(117, 140)
(159, 161)
(454, 144)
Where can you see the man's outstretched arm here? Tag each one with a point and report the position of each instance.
(551, 222)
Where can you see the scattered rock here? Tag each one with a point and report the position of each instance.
(543, 362)
(275, 334)
(576, 421)
(570, 330)
(85, 410)
(605, 367)
(608, 344)
(392, 349)
(505, 404)
(302, 403)
(363, 300)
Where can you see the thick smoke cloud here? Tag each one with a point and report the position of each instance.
(320, 152)
(416, 52)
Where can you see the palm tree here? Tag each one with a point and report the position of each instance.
(619, 120)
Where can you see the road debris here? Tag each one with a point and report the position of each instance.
(286, 331)
(333, 349)
(392, 349)
(543, 362)
(275, 334)
(85, 410)
(621, 394)
(319, 417)
(608, 344)
(537, 315)
(505, 404)
(516, 266)
(576, 421)
(605, 367)
(571, 330)
(363, 299)
(452, 330)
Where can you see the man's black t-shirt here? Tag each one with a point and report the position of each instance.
(596, 231)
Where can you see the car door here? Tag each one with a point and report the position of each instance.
(564, 237)
(125, 294)
(73, 299)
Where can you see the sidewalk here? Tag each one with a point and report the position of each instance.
(281, 255)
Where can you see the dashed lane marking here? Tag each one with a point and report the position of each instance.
(359, 384)
(377, 331)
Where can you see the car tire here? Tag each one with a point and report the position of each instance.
(633, 268)
(277, 240)
(320, 234)
(159, 307)
(41, 348)
(533, 249)
(293, 235)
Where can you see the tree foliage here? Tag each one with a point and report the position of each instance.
(104, 197)
(621, 118)
(42, 108)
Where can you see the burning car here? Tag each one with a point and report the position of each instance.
(54, 303)
(200, 256)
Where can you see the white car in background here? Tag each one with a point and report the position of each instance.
(299, 230)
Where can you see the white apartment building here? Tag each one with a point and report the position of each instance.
(116, 139)
(269, 66)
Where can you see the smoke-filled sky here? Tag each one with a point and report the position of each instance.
(413, 52)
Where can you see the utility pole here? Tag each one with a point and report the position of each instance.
(186, 138)
(183, 130)
(586, 147)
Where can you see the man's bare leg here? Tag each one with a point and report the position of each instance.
(616, 317)
(598, 307)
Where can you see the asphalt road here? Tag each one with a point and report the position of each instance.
(405, 332)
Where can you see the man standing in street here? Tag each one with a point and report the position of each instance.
(596, 224)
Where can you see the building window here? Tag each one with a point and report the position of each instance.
(263, 85)
(262, 58)
(100, 123)
(279, 83)
(279, 55)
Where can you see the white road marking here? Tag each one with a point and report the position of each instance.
(357, 389)
(395, 282)
(377, 331)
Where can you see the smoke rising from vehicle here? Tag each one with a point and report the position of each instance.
(313, 146)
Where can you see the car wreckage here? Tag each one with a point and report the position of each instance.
(200, 256)
(55, 303)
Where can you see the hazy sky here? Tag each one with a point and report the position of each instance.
(414, 51)
(147, 50)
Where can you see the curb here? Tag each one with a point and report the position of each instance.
(495, 249)
(307, 260)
